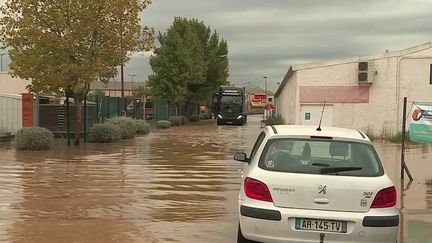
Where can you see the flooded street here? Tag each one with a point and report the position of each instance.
(178, 185)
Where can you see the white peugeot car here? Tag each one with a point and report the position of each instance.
(303, 184)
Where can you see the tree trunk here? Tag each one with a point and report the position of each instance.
(78, 112)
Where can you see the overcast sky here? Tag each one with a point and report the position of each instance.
(265, 37)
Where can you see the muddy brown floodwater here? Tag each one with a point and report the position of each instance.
(178, 185)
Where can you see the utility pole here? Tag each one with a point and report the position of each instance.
(265, 80)
(122, 101)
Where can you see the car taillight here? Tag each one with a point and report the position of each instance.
(257, 190)
(385, 198)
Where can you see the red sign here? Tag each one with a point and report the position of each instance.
(27, 110)
(259, 97)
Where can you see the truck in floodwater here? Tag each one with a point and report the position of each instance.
(229, 105)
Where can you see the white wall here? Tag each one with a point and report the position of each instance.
(10, 112)
(399, 74)
(9, 85)
(415, 78)
(377, 116)
(286, 102)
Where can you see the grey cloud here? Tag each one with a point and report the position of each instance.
(265, 37)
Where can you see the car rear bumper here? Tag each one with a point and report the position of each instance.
(266, 223)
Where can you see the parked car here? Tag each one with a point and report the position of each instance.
(303, 184)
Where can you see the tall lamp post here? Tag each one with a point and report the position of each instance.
(1, 61)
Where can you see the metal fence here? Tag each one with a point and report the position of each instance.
(10, 112)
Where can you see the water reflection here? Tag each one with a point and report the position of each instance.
(69, 195)
(178, 185)
(429, 198)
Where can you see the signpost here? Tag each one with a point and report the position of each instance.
(420, 128)
(403, 164)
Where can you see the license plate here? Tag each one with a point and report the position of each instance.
(321, 225)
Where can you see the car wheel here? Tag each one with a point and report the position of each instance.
(241, 239)
(219, 122)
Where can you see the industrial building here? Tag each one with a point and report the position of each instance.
(363, 92)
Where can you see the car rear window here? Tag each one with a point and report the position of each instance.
(330, 157)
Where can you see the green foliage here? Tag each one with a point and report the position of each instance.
(163, 124)
(4, 132)
(35, 138)
(5, 135)
(204, 116)
(142, 127)
(141, 91)
(70, 44)
(194, 118)
(397, 137)
(104, 133)
(126, 125)
(177, 120)
(65, 45)
(429, 182)
(190, 63)
(274, 121)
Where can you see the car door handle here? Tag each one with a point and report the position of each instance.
(321, 201)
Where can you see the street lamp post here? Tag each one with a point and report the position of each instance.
(1, 61)
(265, 80)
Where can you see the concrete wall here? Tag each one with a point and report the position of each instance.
(286, 103)
(414, 76)
(396, 76)
(9, 85)
(10, 112)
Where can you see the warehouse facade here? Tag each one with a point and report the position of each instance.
(363, 93)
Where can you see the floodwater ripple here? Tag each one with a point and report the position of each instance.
(178, 185)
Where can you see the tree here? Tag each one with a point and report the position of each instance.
(190, 63)
(63, 46)
(141, 91)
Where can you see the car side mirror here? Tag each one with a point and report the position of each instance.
(242, 157)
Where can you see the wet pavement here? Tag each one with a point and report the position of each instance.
(178, 185)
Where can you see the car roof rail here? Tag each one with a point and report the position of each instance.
(274, 129)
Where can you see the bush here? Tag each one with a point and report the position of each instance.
(194, 118)
(142, 127)
(4, 132)
(163, 124)
(127, 126)
(205, 116)
(429, 182)
(397, 137)
(5, 135)
(35, 138)
(104, 133)
(177, 120)
(274, 121)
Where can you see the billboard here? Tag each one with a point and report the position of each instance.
(420, 128)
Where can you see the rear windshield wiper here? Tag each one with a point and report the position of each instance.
(320, 164)
(338, 169)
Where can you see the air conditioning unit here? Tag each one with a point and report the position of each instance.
(365, 73)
